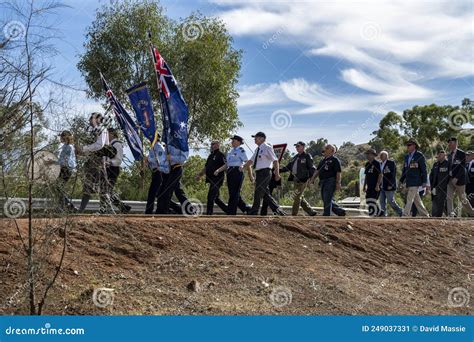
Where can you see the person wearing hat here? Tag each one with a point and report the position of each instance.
(301, 170)
(388, 167)
(235, 162)
(457, 178)
(159, 166)
(414, 175)
(470, 177)
(262, 161)
(214, 161)
(439, 179)
(67, 163)
(329, 173)
(372, 181)
(95, 178)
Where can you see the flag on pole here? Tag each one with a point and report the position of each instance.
(174, 109)
(125, 122)
(141, 102)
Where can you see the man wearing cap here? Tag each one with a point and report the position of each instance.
(329, 172)
(439, 179)
(372, 181)
(389, 185)
(214, 161)
(262, 160)
(159, 166)
(235, 161)
(457, 178)
(470, 177)
(413, 176)
(301, 170)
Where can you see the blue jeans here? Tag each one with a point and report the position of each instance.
(328, 188)
(389, 196)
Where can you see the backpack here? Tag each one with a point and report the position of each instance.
(109, 151)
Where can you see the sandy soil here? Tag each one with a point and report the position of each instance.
(242, 265)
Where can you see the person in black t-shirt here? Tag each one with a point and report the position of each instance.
(329, 172)
(215, 160)
(372, 181)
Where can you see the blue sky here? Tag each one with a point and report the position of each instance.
(328, 69)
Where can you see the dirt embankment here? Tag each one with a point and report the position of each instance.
(242, 265)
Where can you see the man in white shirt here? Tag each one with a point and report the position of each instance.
(113, 170)
(94, 166)
(262, 161)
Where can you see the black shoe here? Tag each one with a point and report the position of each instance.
(314, 213)
(125, 209)
(341, 213)
(280, 212)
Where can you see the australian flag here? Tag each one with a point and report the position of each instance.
(175, 110)
(125, 122)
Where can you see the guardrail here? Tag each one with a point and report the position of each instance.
(138, 207)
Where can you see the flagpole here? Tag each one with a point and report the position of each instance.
(159, 96)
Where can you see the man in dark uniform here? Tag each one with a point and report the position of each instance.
(457, 178)
(301, 170)
(215, 161)
(372, 181)
(329, 172)
(470, 177)
(413, 177)
(439, 178)
(389, 185)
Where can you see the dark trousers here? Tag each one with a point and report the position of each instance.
(156, 180)
(371, 198)
(235, 179)
(168, 187)
(64, 176)
(264, 210)
(213, 196)
(262, 191)
(328, 188)
(113, 173)
(95, 181)
(438, 203)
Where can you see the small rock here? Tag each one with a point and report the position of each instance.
(349, 227)
(76, 273)
(194, 286)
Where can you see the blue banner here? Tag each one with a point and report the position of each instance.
(125, 122)
(237, 328)
(141, 102)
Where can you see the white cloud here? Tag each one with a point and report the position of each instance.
(393, 47)
(260, 94)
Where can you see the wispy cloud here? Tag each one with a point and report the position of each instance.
(391, 49)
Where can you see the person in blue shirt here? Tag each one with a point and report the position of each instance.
(414, 175)
(67, 163)
(159, 166)
(236, 158)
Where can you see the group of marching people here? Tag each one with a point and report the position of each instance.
(451, 175)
